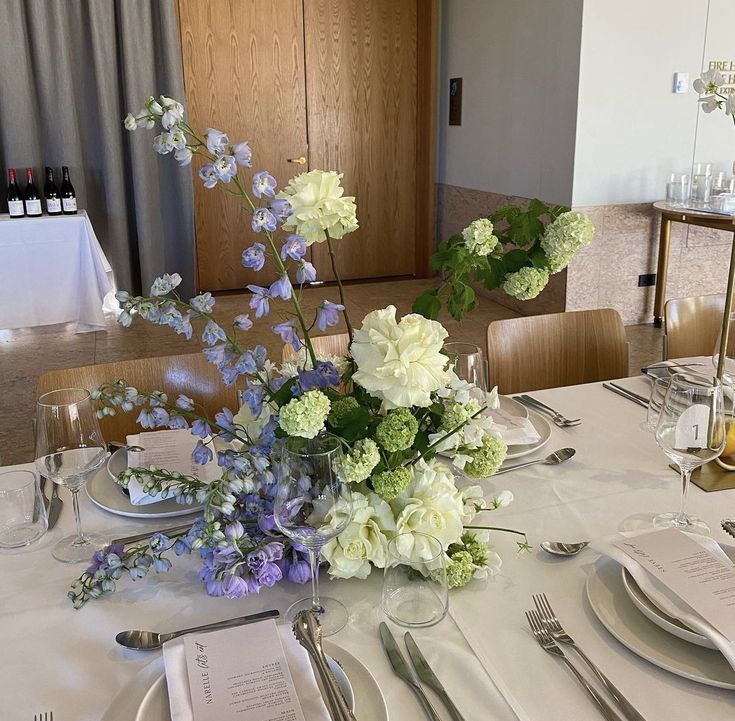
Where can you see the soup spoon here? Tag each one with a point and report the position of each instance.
(557, 548)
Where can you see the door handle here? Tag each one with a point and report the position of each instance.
(300, 160)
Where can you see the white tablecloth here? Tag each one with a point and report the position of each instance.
(53, 270)
(65, 660)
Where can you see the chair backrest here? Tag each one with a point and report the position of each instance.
(692, 325)
(190, 374)
(337, 344)
(560, 349)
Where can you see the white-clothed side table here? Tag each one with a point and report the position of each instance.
(53, 270)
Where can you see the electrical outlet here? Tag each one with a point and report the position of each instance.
(646, 279)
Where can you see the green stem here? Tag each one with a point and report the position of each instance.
(445, 436)
(496, 528)
(341, 288)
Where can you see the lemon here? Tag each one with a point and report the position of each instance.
(729, 449)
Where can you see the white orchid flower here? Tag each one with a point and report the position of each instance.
(730, 105)
(709, 81)
(710, 103)
(130, 122)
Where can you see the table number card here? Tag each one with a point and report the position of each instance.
(240, 673)
(701, 579)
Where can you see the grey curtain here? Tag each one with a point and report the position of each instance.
(69, 72)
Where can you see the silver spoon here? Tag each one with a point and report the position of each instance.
(557, 548)
(148, 640)
(553, 459)
(130, 449)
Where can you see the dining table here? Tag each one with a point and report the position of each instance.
(65, 660)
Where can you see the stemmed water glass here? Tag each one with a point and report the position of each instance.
(311, 507)
(469, 364)
(691, 432)
(69, 449)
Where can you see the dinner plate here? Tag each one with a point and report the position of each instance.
(105, 493)
(612, 606)
(512, 407)
(649, 608)
(145, 696)
(542, 428)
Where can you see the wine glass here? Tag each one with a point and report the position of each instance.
(728, 369)
(691, 432)
(659, 386)
(311, 507)
(469, 364)
(69, 449)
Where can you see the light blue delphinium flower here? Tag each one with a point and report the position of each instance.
(226, 168)
(306, 273)
(213, 333)
(202, 454)
(203, 303)
(146, 419)
(294, 248)
(201, 428)
(288, 333)
(281, 208)
(184, 403)
(264, 184)
(254, 256)
(209, 175)
(260, 301)
(281, 288)
(216, 140)
(328, 314)
(243, 322)
(243, 154)
(183, 326)
(165, 283)
(263, 218)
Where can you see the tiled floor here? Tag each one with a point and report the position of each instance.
(25, 354)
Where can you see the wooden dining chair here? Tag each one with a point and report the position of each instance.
(560, 349)
(190, 374)
(336, 344)
(692, 325)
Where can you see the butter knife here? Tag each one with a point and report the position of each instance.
(54, 506)
(403, 671)
(625, 394)
(429, 677)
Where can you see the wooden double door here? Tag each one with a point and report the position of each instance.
(344, 85)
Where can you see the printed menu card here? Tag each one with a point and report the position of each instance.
(240, 673)
(170, 449)
(701, 578)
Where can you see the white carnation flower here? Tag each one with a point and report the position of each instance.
(400, 362)
(479, 238)
(364, 541)
(318, 208)
(300, 360)
(252, 425)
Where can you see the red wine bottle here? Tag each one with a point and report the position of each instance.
(15, 197)
(31, 197)
(51, 193)
(68, 196)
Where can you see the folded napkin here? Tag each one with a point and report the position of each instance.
(177, 678)
(666, 599)
(170, 449)
(514, 430)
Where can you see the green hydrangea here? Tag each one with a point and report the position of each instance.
(564, 237)
(397, 431)
(526, 283)
(305, 416)
(390, 484)
(476, 549)
(479, 238)
(487, 459)
(341, 408)
(460, 570)
(455, 414)
(358, 464)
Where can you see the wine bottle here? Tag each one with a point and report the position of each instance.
(51, 193)
(31, 198)
(68, 196)
(15, 197)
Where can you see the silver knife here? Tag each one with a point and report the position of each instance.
(173, 530)
(54, 506)
(403, 671)
(624, 394)
(642, 399)
(429, 677)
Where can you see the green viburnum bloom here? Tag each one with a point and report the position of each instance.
(358, 464)
(564, 237)
(460, 569)
(470, 544)
(390, 484)
(526, 283)
(455, 414)
(487, 459)
(341, 408)
(479, 238)
(397, 431)
(305, 416)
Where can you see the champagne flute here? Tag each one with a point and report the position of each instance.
(311, 507)
(691, 432)
(69, 449)
(469, 364)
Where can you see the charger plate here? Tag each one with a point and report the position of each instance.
(613, 607)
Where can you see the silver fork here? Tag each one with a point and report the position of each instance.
(554, 627)
(558, 418)
(550, 646)
(45, 716)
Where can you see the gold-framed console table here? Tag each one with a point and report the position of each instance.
(672, 214)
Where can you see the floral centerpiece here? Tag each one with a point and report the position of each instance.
(394, 402)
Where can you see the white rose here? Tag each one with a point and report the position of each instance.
(364, 542)
(431, 504)
(318, 208)
(400, 362)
